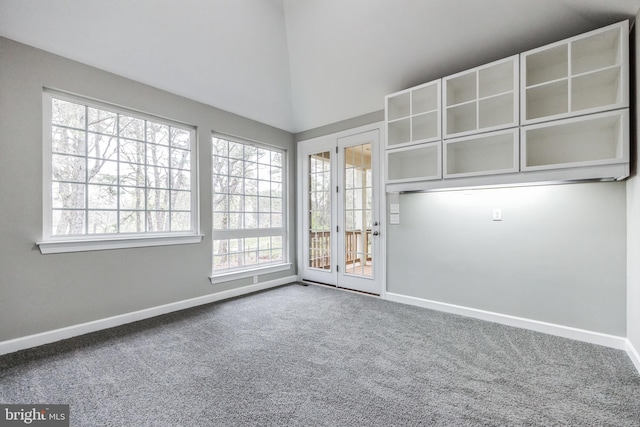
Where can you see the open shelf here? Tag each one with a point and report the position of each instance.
(461, 89)
(483, 99)
(548, 100)
(425, 99)
(399, 106)
(425, 126)
(496, 110)
(420, 162)
(413, 115)
(399, 132)
(553, 114)
(600, 50)
(496, 79)
(585, 74)
(589, 140)
(486, 154)
(548, 65)
(597, 89)
(462, 118)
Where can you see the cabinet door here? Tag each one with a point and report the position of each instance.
(482, 99)
(581, 75)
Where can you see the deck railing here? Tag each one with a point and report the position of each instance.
(320, 247)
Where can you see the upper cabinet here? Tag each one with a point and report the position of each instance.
(581, 75)
(483, 99)
(556, 113)
(413, 116)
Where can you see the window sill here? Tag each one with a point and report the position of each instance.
(233, 275)
(100, 244)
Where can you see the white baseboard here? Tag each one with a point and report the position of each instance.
(35, 340)
(606, 340)
(634, 355)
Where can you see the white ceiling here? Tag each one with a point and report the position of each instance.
(296, 64)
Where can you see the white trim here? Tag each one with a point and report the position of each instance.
(598, 338)
(233, 275)
(72, 243)
(64, 246)
(306, 147)
(634, 355)
(35, 340)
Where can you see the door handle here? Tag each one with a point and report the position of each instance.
(375, 233)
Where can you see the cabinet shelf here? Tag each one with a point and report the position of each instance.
(416, 163)
(584, 141)
(553, 114)
(581, 75)
(413, 116)
(547, 65)
(486, 154)
(482, 99)
(598, 51)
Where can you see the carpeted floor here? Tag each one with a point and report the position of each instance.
(310, 356)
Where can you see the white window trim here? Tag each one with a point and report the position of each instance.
(230, 275)
(80, 243)
(244, 272)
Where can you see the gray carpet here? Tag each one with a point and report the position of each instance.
(309, 356)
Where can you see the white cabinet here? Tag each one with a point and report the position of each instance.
(416, 163)
(596, 139)
(483, 99)
(413, 116)
(581, 75)
(553, 114)
(484, 154)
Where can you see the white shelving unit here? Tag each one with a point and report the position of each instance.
(593, 140)
(557, 113)
(585, 74)
(482, 99)
(485, 154)
(416, 163)
(413, 116)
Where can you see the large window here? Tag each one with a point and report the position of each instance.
(249, 225)
(112, 173)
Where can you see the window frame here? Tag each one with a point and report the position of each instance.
(51, 243)
(219, 276)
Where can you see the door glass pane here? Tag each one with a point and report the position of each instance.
(320, 211)
(358, 254)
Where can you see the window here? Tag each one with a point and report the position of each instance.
(249, 224)
(112, 174)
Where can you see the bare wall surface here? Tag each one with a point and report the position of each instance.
(38, 292)
(633, 219)
(557, 256)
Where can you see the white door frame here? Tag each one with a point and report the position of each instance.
(318, 144)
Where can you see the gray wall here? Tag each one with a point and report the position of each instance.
(558, 256)
(633, 224)
(354, 122)
(45, 292)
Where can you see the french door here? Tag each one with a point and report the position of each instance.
(339, 218)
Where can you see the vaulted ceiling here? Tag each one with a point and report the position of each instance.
(297, 64)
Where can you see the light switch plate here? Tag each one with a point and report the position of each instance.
(394, 219)
(394, 208)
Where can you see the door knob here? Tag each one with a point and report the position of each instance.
(375, 233)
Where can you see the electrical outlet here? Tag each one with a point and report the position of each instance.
(497, 214)
(255, 280)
